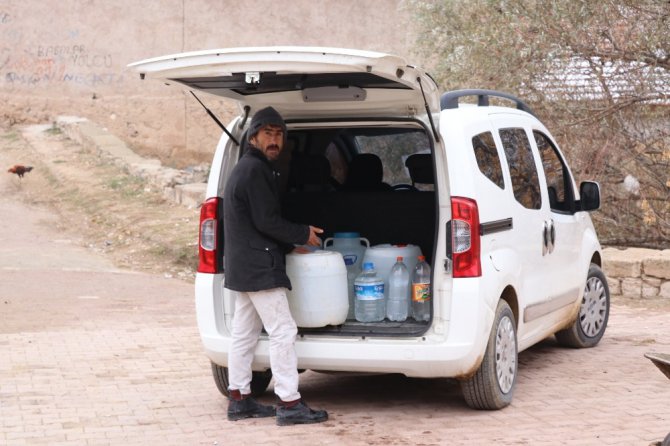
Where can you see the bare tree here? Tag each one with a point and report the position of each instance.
(598, 72)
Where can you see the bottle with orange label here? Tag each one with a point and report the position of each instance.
(421, 290)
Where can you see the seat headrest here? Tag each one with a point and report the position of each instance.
(309, 172)
(365, 171)
(420, 166)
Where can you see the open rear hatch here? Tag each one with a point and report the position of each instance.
(301, 81)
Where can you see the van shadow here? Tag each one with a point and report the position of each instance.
(377, 392)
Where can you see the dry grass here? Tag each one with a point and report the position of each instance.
(112, 212)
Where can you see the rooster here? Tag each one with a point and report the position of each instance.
(20, 170)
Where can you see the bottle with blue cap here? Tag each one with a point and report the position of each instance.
(369, 289)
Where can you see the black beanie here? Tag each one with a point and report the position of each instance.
(263, 117)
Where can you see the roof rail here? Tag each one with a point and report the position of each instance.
(450, 99)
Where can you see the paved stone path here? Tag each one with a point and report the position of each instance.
(91, 355)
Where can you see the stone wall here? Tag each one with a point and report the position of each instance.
(637, 272)
(69, 58)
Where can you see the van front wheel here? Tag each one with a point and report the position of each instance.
(589, 327)
(492, 386)
(259, 380)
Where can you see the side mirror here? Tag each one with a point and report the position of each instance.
(589, 196)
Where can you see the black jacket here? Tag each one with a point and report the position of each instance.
(256, 237)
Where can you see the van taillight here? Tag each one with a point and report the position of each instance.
(465, 237)
(207, 241)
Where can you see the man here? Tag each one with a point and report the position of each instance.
(256, 239)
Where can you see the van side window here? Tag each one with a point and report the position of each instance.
(558, 178)
(518, 152)
(487, 158)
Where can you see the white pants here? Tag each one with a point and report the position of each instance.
(253, 311)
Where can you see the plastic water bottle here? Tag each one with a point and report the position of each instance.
(421, 290)
(397, 305)
(369, 288)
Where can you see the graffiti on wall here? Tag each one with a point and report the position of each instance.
(46, 64)
(58, 63)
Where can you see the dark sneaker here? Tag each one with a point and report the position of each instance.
(248, 408)
(299, 414)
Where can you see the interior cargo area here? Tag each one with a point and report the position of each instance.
(376, 180)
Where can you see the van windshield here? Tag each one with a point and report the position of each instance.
(394, 149)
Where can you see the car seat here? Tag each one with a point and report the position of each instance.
(366, 173)
(309, 173)
(420, 166)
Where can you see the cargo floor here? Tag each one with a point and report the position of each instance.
(410, 327)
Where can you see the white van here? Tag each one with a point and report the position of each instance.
(481, 189)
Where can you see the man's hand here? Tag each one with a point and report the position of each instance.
(314, 240)
(301, 250)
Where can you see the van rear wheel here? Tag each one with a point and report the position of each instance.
(259, 380)
(591, 322)
(492, 386)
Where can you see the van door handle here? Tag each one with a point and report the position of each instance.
(548, 237)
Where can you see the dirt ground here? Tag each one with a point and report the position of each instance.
(116, 214)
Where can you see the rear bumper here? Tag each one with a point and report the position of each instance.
(416, 358)
(446, 350)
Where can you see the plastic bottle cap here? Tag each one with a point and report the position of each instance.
(399, 259)
(368, 265)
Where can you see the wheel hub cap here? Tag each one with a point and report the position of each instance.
(505, 354)
(594, 307)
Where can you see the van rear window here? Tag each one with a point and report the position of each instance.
(525, 183)
(487, 158)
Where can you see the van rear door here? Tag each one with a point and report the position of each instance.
(302, 82)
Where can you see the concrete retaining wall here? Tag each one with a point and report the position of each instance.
(185, 187)
(638, 272)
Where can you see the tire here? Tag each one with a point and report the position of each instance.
(589, 327)
(492, 386)
(259, 380)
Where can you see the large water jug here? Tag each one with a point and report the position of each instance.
(319, 294)
(369, 306)
(352, 247)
